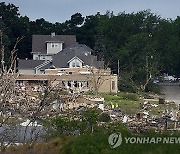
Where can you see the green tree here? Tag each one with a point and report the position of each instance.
(138, 59)
(90, 116)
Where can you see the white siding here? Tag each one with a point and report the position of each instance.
(54, 48)
(39, 72)
(75, 63)
(35, 56)
(26, 71)
(45, 57)
(41, 57)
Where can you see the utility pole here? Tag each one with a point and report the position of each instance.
(118, 73)
(118, 69)
(147, 74)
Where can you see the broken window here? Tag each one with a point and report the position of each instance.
(75, 84)
(69, 83)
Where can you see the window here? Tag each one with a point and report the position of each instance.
(41, 71)
(54, 45)
(75, 84)
(85, 84)
(73, 64)
(113, 85)
(77, 64)
(69, 83)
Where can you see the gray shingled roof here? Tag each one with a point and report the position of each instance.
(39, 41)
(28, 64)
(79, 50)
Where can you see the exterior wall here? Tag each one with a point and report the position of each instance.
(54, 47)
(114, 78)
(75, 63)
(105, 86)
(26, 71)
(105, 83)
(78, 70)
(39, 71)
(45, 57)
(35, 56)
(108, 82)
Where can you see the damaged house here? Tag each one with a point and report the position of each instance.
(61, 59)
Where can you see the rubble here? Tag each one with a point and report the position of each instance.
(41, 102)
(30, 123)
(125, 119)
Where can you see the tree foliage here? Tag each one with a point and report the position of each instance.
(130, 38)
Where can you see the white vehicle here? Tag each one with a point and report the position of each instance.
(170, 78)
(155, 81)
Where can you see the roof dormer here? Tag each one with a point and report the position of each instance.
(53, 47)
(75, 62)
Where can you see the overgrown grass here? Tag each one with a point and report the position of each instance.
(131, 104)
(161, 107)
(126, 104)
(98, 143)
(53, 146)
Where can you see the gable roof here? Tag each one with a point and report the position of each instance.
(39, 41)
(34, 64)
(75, 58)
(29, 64)
(61, 59)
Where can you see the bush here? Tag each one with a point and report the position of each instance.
(110, 97)
(67, 126)
(87, 144)
(104, 117)
(130, 96)
(98, 143)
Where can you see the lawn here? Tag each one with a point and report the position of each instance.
(132, 105)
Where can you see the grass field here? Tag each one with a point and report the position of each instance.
(132, 106)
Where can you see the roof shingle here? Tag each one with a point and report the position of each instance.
(60, 60)
(39, 41)
(27, 64)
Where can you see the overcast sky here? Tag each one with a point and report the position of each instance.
(61, 10)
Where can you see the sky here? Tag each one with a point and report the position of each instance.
(61, 10)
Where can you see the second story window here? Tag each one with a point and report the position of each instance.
(75, 64)
(54, 45)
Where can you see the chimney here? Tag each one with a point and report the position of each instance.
(53, 34)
